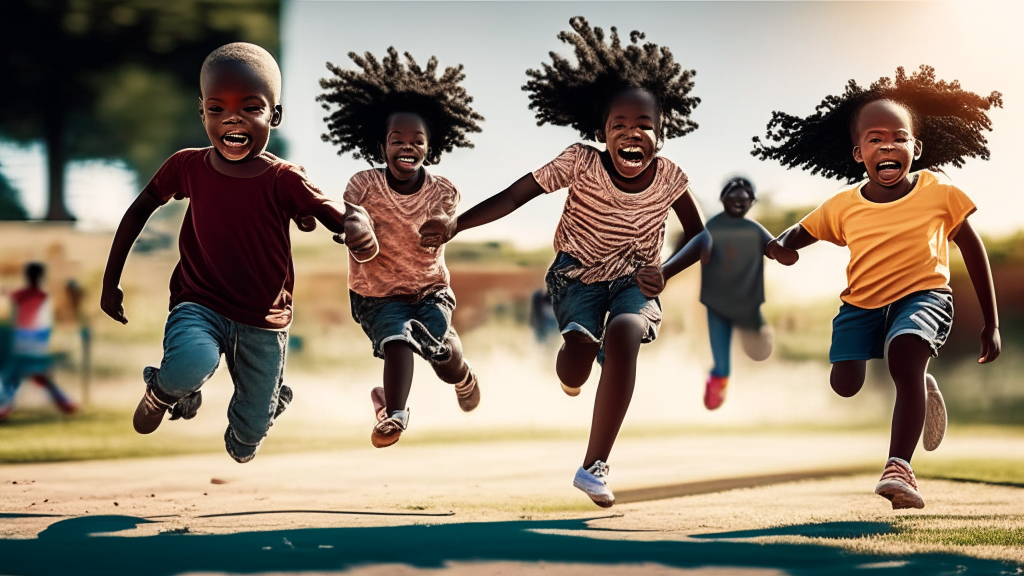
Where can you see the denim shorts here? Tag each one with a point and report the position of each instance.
(862, 334)
(425, 324)
(195, 337)
(586, 308)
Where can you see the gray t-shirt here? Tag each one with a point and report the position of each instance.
(732, 282)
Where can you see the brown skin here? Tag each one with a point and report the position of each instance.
(404, 149)
(630, 136)
(238, 115)
(884, 136)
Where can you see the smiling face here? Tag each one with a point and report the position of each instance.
(737, 202)
(885, 143)
(405, 144)
(238, 110)
(630, 131)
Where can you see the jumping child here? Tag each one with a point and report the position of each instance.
(607, 274)
(405, 117)
(231, 292)
(897, 224)
(732, 286)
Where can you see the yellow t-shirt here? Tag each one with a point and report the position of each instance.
(896, 248)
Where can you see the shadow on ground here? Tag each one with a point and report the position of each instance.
(90, 545)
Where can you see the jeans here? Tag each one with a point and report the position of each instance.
(720, 333)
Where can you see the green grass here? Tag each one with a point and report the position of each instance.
(995, 471)
(1000, 530)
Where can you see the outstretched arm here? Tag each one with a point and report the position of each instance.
(976, 259)
(134, 220)
(498, 206)
(695, 243)
(351, 226)
(784, 248)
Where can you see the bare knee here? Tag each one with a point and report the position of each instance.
(452, 370)
(625, 332)
(847, 377)
(576, 358)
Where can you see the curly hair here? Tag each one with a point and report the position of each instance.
(578, 96)
(947, 119)
(366, 98)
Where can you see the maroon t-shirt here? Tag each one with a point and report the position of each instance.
(234, 246)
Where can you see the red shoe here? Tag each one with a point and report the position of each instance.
(714, 391)
(899, 486)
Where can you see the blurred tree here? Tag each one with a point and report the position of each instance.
(115, 78)
(10, 204)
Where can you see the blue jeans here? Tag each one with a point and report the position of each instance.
(16, 368)
(863, 334)
(424, 324)
(720, 333)
(194, 339)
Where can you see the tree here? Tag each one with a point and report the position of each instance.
(115, 78)
(10, 204)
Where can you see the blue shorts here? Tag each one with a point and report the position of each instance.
(424, 324)
(862, 334)
(586, 308)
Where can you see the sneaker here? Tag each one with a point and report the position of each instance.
(149, 413)
(934, 416)
(388, 430)
(468, 391)
(594, 482)
(569, 390)
(898, 485)
(714, 391)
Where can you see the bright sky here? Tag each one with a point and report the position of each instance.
(751, 58)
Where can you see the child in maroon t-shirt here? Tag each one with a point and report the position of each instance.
(231, 292)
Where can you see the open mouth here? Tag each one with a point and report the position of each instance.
(632, 156)
(888, 169)
(235, 139)
(406, 160)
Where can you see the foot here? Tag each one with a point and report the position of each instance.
(389, 429)
(899, 486)
(934, 416)
(379, 403)
(714, 391)
(569, 390)
(594, 482)
(468, 391)
(149, 413)
(67, 406)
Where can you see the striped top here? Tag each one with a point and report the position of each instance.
(33, 322)
(611, 232)
(403, 267)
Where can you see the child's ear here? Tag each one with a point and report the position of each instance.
(857, 156)
(276, 116)
(202, 113)
(918, 147)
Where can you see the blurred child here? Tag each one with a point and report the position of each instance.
(897, 224)
(404, 117)
(32, 314)
(732, 286)
(231, 292)
(607, 274)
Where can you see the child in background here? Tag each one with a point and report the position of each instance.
(231, 292)
(32, 313)
(732, 286)
(607, 274)
(897, 224)
(404, 117)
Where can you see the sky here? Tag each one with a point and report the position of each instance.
(751, 58)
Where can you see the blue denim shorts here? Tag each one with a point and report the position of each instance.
(862, 334)
(586, 308)
(195, 337)
(425, 324)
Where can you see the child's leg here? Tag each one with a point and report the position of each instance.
(720, 334)
(576, 358)
(908, 361)
(398, 370)
(615, 390)
(56, 394)
(456, 370)
(256, 361)
(847, 377)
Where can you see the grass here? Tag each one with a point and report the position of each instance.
(1002, 530)
(993, 471)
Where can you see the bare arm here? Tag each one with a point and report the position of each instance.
(134, 220)
(352, 227)
(784, 248)
(695, 243)
(500, 205)
(976, 259)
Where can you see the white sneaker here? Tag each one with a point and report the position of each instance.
(934, 416)
(593, 482)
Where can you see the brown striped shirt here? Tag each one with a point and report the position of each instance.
(611, 232)
(403, 267)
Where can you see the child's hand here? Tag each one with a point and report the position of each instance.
(358, 235)
(437, 231)
(785, 256)
(650, 280)
(305, 223)
(990, 345)
(112, 303)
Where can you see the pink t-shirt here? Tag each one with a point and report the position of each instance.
(403, 267)
(611, 232)
(234, 246)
